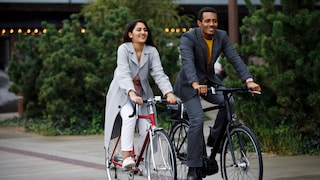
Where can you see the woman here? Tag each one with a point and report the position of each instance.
(137, 58)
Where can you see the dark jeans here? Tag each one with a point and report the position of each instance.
(196, 142)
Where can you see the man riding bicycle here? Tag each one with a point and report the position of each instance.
(200, 48)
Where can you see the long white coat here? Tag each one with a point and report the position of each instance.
(127, 68)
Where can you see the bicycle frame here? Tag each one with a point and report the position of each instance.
(227, 94)
(151, 116)
(233, 145)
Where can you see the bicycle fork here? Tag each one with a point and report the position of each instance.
(152, 150)
(241, 164)
(231, 145)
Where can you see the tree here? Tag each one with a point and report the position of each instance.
(69, 71)
(286, 117)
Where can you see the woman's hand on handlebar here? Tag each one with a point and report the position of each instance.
(201, 89)
(171, 98)
(135, 98)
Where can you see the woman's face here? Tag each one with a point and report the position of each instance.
(139, 34)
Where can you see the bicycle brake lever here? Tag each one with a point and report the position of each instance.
(213, 90)
(135, 110)
(158, 98)
(256, 92)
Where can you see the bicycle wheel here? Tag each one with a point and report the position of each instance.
(160, 161)
(114, 162)
(248, 159)
(178, 137)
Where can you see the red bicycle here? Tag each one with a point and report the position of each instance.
(159, 160)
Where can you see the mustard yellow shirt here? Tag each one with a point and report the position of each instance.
(209, 44)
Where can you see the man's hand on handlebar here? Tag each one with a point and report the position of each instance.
(253, 86)
(201, 89)
(171, 98)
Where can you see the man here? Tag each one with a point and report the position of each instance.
(200, 48)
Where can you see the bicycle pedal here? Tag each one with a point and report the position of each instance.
(130, 175)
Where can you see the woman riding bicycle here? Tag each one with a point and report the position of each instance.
(137, 57)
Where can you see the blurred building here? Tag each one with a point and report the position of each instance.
(25, 16)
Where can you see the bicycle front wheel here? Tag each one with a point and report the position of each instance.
(178, 136)
(247, 163)
(160, 158)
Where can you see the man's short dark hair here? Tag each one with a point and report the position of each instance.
(206, 9)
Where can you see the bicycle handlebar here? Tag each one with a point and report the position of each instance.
(231, 90)
(153, 100)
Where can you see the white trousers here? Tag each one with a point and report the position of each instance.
(128, 126)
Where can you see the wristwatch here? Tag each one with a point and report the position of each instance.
(249, 80)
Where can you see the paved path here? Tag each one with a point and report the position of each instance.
(29, 156)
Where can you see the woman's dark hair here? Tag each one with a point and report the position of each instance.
(206, 9)
(130, 28)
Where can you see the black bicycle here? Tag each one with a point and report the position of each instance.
(240, 154)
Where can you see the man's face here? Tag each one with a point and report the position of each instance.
(208, 25)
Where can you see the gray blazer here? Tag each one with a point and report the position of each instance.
(127, 68)
(194, 61)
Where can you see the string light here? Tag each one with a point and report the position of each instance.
(83, 30)
(176, 30)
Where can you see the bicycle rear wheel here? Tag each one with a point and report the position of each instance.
(114, 160)
(160, 159)
(178, 137)
(248, 159)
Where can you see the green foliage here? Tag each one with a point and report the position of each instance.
(64, 75)
(15, 121)
(286, 116)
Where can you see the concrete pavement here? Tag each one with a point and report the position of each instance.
(29, 156)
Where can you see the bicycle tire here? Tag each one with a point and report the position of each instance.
(249, 165)
(178, 137)
(113, 162)
(163, 166)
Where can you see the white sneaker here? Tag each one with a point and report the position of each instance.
(128, 162)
